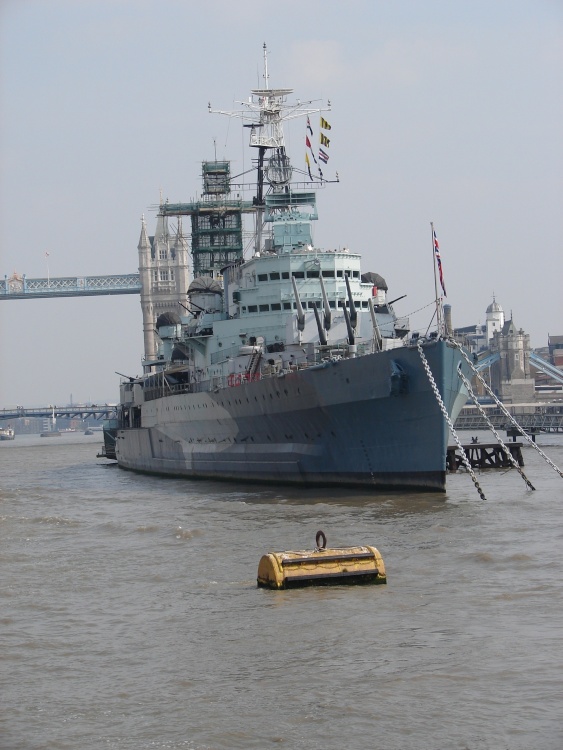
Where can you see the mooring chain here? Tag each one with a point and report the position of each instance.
(504, 410)
(448, 420)
(508, 454)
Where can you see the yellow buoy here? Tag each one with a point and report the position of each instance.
(321, 567)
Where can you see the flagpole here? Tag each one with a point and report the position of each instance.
(438, 316)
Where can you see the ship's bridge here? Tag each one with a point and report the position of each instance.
(264, 284)
(291, 221)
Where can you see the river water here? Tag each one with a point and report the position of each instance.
(130, 616)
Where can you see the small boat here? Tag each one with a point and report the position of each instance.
(7, 433)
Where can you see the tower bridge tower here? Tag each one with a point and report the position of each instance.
(511, 378)
(163, 268)
(216, 242)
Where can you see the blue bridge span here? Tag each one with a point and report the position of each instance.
(20, 287)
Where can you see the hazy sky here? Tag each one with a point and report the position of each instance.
(442, 111)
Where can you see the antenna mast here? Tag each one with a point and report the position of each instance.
(266, 77)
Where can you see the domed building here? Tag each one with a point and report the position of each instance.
(508, 373)
(494, 319)
(477, 338)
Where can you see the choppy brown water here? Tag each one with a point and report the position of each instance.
(130, 617)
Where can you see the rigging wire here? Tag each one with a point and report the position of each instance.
(505, 411)
(448, 420)
(507, 453)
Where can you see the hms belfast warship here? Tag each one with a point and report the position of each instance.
(288, 366)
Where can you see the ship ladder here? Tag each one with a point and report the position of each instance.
(448, 420)
(253, 365)
(504, 410)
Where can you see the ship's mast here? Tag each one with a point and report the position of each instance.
(270, 135)
(266, 110)
(439, 310)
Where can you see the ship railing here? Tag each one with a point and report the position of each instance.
(541, 422)
(324, 353)
(221, 356)
(243, 377)
(201, 386)
(160, 391)
(321, 354)
(219, 382)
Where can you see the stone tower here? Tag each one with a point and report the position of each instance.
(510, 376)
(163, 269)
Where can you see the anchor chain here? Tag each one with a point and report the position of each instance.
(507, 453)
(448, 420)
(505, 411)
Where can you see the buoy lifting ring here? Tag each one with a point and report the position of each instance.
(321, 537)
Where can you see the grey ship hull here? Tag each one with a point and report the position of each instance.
(352, 422)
